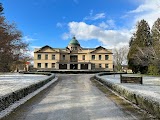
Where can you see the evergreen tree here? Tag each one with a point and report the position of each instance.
(155, 60)
(142, 35)
(156, 32)
(140, 40)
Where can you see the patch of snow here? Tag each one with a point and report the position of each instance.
(23, 100)
(12, 82)
(149, 89)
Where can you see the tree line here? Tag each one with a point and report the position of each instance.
(144, 48)
(12, 47)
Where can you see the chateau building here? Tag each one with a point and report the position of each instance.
(73, 57)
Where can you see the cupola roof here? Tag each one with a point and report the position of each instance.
(74, 41)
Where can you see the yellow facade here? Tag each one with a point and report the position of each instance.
(73, 57)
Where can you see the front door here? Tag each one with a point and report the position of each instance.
(84, 66)
(73, 66)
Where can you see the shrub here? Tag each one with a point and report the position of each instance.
(153, 70)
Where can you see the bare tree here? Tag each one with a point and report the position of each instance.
(11, 45)
(120, 57)
(147, 56)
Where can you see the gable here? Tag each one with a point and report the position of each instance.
(46, 49)
(101, 50)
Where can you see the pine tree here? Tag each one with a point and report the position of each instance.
(143, 36)
(155, 32)
(140, 40)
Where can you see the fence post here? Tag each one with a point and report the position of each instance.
(141, 80)
(121, 78)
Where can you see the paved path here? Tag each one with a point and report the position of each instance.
(73, 98)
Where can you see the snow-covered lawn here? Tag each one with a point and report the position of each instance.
(150, 87)
(15, 81)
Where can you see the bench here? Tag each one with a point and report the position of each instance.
(131, 79)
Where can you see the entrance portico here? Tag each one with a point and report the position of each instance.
(75, 66)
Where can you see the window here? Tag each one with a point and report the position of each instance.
(100, 57)
(63, 57)
(100, 65)
(46, 65)
(53, 65)
(75, 48)
(83, 57)
(39, 56)
(93, 66)
(53, 57)
(46, 56)
(106, 57)
(106, 65)
(39, 65)
(93, 57)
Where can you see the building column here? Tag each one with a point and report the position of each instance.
(57, 66)
(79, 66)
(89, 66)
(68, 66)
(27, 67)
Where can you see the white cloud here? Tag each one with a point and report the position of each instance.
(31, 51)
(66, 36)
(148, 10)
(59, 25)
(149, 17)
(111, 23)
(108, 38)
(28, 39)
(108, 24)
(148, 5)
(95, 17)
(91, 12)
(33, 47)
(99, 16)
(103, 25)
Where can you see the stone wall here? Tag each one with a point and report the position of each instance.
(143, 102)
(9, 99)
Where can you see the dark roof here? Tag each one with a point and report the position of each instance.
(101, 48)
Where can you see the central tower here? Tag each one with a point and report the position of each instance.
(74, 45)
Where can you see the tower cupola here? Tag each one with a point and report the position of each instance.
(74, 41)
(74, 45)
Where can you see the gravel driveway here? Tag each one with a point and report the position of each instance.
(73, 98)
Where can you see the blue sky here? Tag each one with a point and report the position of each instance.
(109, 23)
